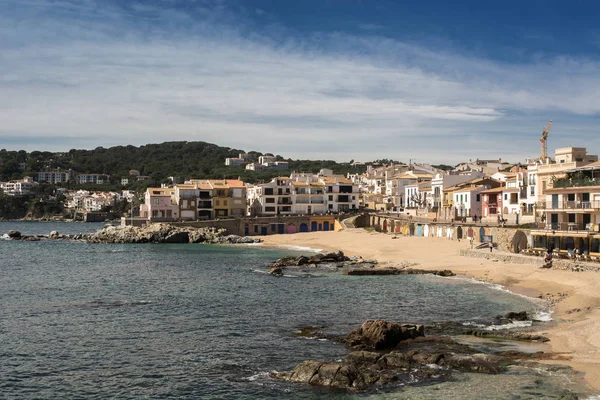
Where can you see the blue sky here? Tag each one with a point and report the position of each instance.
(435, 81)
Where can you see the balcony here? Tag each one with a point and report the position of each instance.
(570, 205)
(205, 204)
(568, 226)
(570, 182)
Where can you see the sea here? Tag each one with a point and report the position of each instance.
(194, 321)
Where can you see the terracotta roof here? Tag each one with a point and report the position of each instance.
(500, 190)
(340, 178)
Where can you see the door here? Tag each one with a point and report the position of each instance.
(281, 229)
(555, 201)
(303, 227)
(313, 226)
(554, 220)
(326, 226)
(263, 230)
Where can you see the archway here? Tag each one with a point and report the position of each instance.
(459, 233)
(303, 227)
(519, 242)
(291, 228)
(385, 225)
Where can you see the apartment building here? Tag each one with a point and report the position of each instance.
(159, 205)
(55, 176)
(94, 179)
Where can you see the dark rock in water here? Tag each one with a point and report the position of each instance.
(14, 234)
(302, 260)
(177, 237)
(276, 271)
(397, 271)
(481, 363)
(516, 316)
(331, 374)
(380, 335)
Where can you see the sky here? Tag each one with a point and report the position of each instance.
(430, 81)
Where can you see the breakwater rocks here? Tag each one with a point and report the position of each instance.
(152, 233)
(396, 271)
(387, 353)
(334, 260)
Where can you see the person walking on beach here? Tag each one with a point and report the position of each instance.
(491, 246)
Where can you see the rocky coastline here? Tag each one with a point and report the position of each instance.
(389, 354)
(152, 233)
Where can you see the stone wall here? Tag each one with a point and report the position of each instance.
(502, 237)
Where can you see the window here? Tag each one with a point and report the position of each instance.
(478, 197)
(224, 202)
(532, 190)
(156, 202)
(330, 198)
(270, 200)
(505, 196)
(269, 209)
(217, 202)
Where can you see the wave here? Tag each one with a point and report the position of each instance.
(300, 248)
(544, 315)
(259, 375)
(510, 325)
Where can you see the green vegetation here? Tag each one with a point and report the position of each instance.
(182, 160)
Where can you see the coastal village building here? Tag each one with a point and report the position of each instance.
(571, 213)
(442, 181)
(303, 194)
(20, 187)
(159, 205)
(55, 175)
(455, 206)
(95, 179)
(242, 159)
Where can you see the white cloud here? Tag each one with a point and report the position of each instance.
(117, 79)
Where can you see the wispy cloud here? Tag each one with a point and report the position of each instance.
(113, 75)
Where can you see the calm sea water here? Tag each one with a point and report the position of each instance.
(205, 321)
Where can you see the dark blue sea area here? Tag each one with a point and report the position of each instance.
(190, 321)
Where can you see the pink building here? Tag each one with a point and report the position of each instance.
(159, 205)
(491, 203)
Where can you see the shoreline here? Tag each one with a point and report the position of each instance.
(573, 296)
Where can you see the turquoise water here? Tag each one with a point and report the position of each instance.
(195, 321)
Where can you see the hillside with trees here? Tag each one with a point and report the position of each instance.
(179, 159)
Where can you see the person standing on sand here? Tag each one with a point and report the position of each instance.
(491, 246)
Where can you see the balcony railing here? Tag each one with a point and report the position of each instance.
(567, 183)
(570, 205)
(568, 226)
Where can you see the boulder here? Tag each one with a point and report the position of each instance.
(517, 316)
(14, 234)
(338, 375)
(381, 335)
(276, 271)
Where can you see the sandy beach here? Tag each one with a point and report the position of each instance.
(575, 295)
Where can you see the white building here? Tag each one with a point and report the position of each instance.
(18, 187)
(55, 175)
(96, 179)
(303, 194)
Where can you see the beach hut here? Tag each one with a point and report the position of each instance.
(303, 227)
(419, 230)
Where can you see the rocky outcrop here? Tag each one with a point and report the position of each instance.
(164, 233)
(152, 233)
(397, 353)
(381, 335)
(397, 271)
(334, 260)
